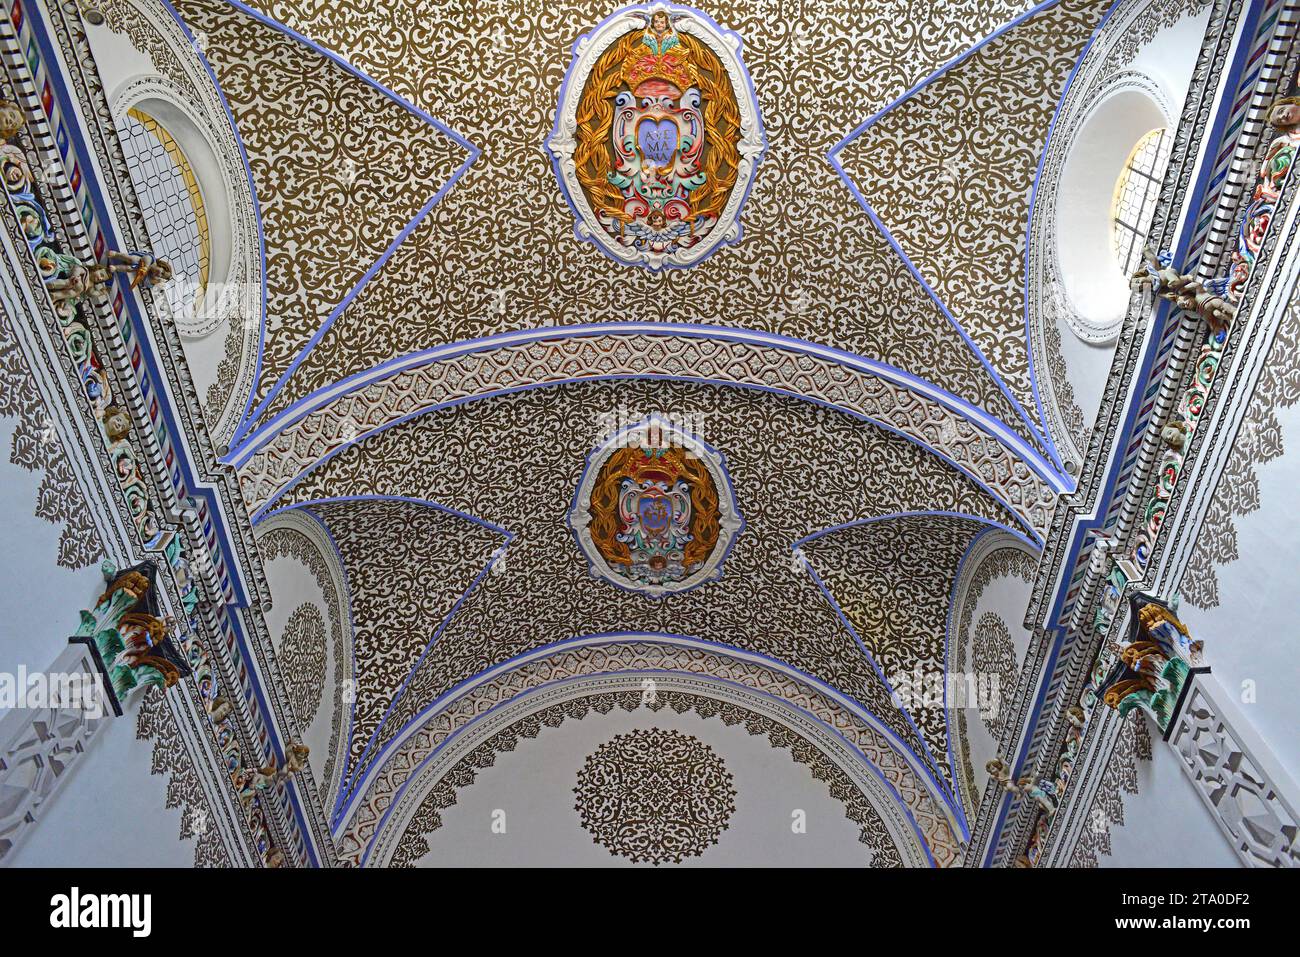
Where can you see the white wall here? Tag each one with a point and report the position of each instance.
(291, 585)
(42, 602)
(534, 786)
(1007, 596)
(1252, 638)
(120, 64)
(1165, 823)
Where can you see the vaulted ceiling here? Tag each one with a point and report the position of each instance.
(343, 172)
(441, 353)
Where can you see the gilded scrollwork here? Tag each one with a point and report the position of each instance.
(589, 662)
(339, 168)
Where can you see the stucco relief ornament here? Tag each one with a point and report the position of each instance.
(657, 136)
(655, 796)
(654, 511)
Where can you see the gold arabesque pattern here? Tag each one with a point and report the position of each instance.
(498, 251)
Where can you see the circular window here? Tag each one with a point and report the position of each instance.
(1135, 198)
(175, 215)
(1104, 207)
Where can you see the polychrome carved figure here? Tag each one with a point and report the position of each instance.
(1158, 623)
(143, 269)
(1153, 666)
(1042, 792)
(76, 282)
(257, 781)
(133, 640)
(657, 138)
(11, 120)
(1206, 299)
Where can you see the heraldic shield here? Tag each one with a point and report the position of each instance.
(657, 136)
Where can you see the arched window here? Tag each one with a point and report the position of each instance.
(1136, 192)
(1105, 205)
(174, 211)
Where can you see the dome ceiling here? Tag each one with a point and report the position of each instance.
(442, 353)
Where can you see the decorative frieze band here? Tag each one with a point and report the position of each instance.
(344, 419)
(1148, 460)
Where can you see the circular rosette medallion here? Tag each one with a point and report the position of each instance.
(657, 136)
(654, 510)
(655, 796)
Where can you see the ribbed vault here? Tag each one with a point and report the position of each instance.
(442, 354)
(497, 252)
(407, 564)
(514, 461)
(892, 580)
(959, 209)
(340, 169)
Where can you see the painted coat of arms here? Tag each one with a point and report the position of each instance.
(657, 136)
(654, 511)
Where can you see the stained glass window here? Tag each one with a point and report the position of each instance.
(1135, 197)
(174, 213)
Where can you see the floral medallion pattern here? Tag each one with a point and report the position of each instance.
(994, 654)
(478, 278)
(655, 796)
(1004, 559)
(413, 845)
(278, 538)
(455, 720)
(302, 661)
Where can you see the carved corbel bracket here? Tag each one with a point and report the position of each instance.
(1152, 666)
(130, 640)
